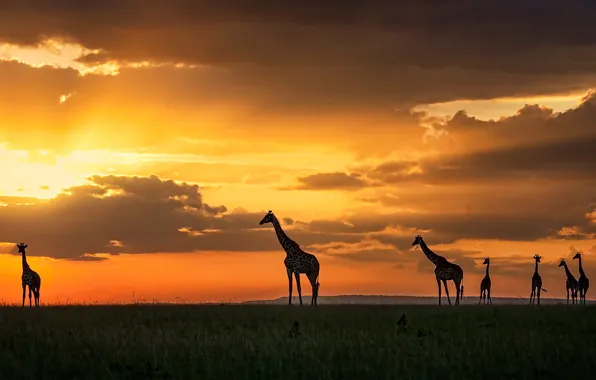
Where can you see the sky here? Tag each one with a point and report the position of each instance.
(141, 142)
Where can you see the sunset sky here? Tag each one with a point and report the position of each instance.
(141, 142)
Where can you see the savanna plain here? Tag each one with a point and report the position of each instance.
(274, 342)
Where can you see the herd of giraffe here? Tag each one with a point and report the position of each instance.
(299, 262)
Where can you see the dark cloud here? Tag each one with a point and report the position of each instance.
(330, 33)
(331, 181)
(314, 56)
(566, 160)
(117, 214)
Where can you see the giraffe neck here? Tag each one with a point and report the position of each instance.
(581, 270)
(567, 272)
(487, 265)
(536, 268)
(284, 240)
(433, 257)
(24, 261)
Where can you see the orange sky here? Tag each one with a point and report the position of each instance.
(349, 128)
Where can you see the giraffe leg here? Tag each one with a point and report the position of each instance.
(289, 286)
(438, 284)
(531, 296)
(567, 296)
(481, 293)
(29, 295)
(312, 278)
(538, 294)
(297, 275)
(489, 299)
(24, 286)
(447, 291)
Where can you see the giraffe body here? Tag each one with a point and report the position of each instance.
(485, 285)
(571, 284)
(583, 283)
(444, 271)
(296, 262)
(536, 283)
(29, 278)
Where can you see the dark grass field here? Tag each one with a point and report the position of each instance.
(334, 342)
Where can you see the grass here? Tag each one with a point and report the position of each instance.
(335, 342)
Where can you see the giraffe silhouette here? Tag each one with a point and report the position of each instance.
(582, 283)
(571, 283)
(536, 283)
(444, 271)
(29, 277)
(297, 261)
(485, 284)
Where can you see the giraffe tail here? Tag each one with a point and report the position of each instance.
(544, 290)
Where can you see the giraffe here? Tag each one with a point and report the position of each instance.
(29, 277)
(536, 282)
(570, 284)
(297, 261)
(582, 283)
(485, 284)
(444, 271)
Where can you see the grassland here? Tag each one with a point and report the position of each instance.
(334, 342)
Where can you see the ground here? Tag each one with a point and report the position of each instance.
(330, 342)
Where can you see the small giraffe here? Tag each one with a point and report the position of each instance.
(571, 283)
(485, 284)
(297, 261)
(29, 277)
(536, 283)
(582, 283)
(444, 271)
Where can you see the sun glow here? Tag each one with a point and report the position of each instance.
(34, 174)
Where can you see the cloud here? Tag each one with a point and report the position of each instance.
(385, 56)
(330, 181)
(65, 97)
(343, 32)
(117, 214)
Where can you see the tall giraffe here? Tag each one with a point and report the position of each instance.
(29, 277)
(485, 284)
(570, 284)
(444, 271)
(582, 283)
(536, 282)
(297, 261)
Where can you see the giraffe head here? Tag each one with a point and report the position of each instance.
(537, 258)
(486, 261)
(268, 218)
(562, 263)
(21, 247)
(577, 256)
(417, 240)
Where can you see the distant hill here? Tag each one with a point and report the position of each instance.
(404, 300)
